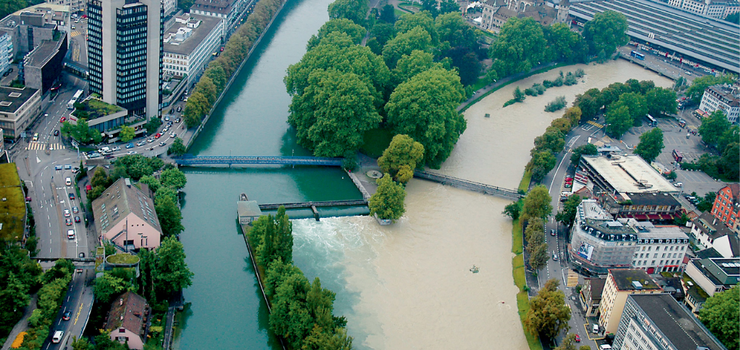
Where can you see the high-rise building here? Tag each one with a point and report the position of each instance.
(125, 53)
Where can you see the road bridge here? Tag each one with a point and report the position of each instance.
(194, 161)
(468, 185)
(318, 204)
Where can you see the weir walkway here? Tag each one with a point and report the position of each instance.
(199, 161)
(468, 185)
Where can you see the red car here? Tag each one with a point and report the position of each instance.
(62, 119)
(578, 338)
(158, 135)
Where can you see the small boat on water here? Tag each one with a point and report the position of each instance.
(243, 197)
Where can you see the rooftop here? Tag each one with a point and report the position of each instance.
(629, 174)
(707, 39)
(217, 6)
(625, 280)
(118, 201)
(651, 199)
(13, 208)
(129, 311)
(186, 34)
(248, 208)
(711, 226)
(679, 325)
(44, 52)
(13, 98)
(728, 94)
(96, 108)
(597, 287)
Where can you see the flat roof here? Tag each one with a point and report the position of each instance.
(188, 45)
(652, 199)
(624, 278)
(681, 327)
(13, 98)
(44, 52)
(629, 174)
(706, 39)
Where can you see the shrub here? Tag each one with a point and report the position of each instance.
(579, 73)
(558, 104)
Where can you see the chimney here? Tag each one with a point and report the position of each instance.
(714, 222)
(127, 181)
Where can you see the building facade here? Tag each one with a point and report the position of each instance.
(710, 8)
(657, 321)
(18, 109)
(653, 207)
(619, 285)
(169, 6)
(714, 275)
(41, 67)
(6, 51)
(726, 206)
(128, 320)
(189, 46)
(722, 97)
(125, 53)
(228, 10)
(599, 242)
(710, 232)
(591, 295)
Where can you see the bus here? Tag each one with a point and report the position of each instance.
(71, 103)
(651, 121)
(637, 55)
(677, 155)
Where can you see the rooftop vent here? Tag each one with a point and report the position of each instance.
(637, 285)
(14, 94)
(5, 103)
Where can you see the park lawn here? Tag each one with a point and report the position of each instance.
(517, 239)
(518, 270)
(375, 142)
(522, 305)
(122, 258)
(524, 184)
(12, 205)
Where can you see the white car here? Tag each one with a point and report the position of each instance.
(131, 152)
(173, 135)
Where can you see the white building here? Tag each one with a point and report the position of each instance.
(713, 233)
(6, 51)
(710, 8)
(190, 44)
(169, 6)
(723, 97)
(228, 10)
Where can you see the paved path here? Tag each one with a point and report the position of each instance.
(22, 325)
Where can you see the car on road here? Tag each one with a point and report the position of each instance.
(173, 135)
(57, 337)
(79, 270)
(67, 167)
(75, 209)
(68, 222)
(130, 145)
(109, 156)
(62, 119)
(66, 316)
(68, 181)
(158, 135)
(162, 144)
(141, 143)
(167, 118)
(150, 140)
(67, 213)
(578, 338)
(77, 219)
(56, 132)
(131, 152)
(554, 256)
(57, 167)
(179, 109)
(71, 196)
(71, 234)
(552, 232)
(36, 136)
(82, 254)
(28, 199)
(94, 155)
(178, 120)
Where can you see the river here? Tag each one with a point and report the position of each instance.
(402, 286)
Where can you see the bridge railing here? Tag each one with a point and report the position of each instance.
(269, 160)
(467, 184)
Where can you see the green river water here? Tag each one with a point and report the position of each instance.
(226, 310)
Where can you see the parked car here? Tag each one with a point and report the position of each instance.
(67, 213)
(595, 329)
(141, 143)
(68, 222)
(75, 210)
(57, 167)
(173, 135)
(578, 338)
(131, 152)
(66, 316)
(109, 156)
(71, 196)
(130, 145)
(71, 234)
(77, 219)
(158, 135)
(62, 119)
(150, 140)
(162, 144)
(166, 118)
(67, 166)
(56, 132)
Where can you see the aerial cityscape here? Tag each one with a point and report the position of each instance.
(370, 174)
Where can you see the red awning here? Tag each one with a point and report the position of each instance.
(654, 217)
(640, 217)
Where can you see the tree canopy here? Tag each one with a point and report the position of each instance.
(651, 144)
(404, 43)
(172, 271)
(355, 31)
(81, 132)
(425, 108)
(713, 127)
(661, 102)
(353, 10)
(548, 314)
(605, 32)
(537, 203)
(401, 158)
(388, 200)
(570, 207)
(519, 46)
(721, 315)
(699, 84)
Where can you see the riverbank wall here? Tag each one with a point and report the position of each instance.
(234, 76)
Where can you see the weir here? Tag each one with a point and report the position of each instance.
(315, 204)
(468, 185)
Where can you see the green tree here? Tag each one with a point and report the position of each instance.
(353, 10)
(401, 158)
(100, 178)
(619, 121)
(720, 315)
(661, 102)
(423, 19)
(552, 140)
(14, 295)
(355, 31)
(107, 287)
(698, 85)
(519, 46)
(651, 144)
(333, 113)
(513, 210)
(538, 256)
(388, 14)
(405, 43)
(564, 44)
(152, 125)
(413, 64)
(81, 132)
(425, 108)
(519, 95)
(218, 76)
(537, 203)
(635, 103)
(185, 4)
(570, 207)
(730, 136)
(177, 149)
(733, 18)
(605, 32)
(127, 133)
(729, 162)
(151, 181)
(713, 127)
(172, 271)
(290, 317)
(383, 32)
(587, 149)
(454, 32)
(174, 178)
(430, 6)
(169, 215)
(449, 6)
(589, 103)
(81, 344)
(541, 164)
(548, 314)
(387, 201)
(568, 343)
(573, 114)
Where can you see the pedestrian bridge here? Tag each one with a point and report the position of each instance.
(194, 161)
(468, 185)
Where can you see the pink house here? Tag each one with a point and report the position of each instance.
(125, 215)
(127, 320)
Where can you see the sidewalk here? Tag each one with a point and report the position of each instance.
(22, 325)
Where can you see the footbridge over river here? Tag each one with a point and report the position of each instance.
(208, 161)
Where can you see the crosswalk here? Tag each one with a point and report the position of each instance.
(75, 33)
(572, 279)
(595, 124)
(40, 146)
